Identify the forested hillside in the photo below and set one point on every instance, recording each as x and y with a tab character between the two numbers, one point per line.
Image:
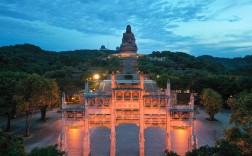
69	68
186	72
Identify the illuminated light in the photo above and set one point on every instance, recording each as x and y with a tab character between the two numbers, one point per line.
158	76
96	76
74	126
179	127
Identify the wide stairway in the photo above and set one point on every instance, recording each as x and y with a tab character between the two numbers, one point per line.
129	65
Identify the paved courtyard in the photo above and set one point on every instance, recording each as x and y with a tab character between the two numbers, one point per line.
46	133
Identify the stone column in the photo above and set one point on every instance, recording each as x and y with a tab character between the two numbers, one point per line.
192	116
168	117
141	80
86	138
113	142
112	128
113	80
141	126
168	130
62	142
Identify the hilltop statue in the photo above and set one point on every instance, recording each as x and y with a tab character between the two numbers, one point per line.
128	42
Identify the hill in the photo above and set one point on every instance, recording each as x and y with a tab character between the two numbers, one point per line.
70	68
186	72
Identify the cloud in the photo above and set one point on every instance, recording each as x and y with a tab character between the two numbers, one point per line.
197	27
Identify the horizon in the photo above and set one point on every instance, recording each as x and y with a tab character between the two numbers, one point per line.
118	51
216	28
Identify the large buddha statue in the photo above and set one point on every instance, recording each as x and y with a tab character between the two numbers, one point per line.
128	42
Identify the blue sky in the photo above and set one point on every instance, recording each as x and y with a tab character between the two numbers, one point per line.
221	28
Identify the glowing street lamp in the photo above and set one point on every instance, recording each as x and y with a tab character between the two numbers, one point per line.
96	76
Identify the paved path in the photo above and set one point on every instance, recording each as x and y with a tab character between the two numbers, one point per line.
46	133
43	133
208	132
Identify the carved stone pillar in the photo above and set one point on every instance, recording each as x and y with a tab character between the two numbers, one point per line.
168	131
141	126
192	117
86	138
112	128
168	117
112	143
62	142
141	142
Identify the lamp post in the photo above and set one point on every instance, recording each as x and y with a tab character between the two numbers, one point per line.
94	82
96	76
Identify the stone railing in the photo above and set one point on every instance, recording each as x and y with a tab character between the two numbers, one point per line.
74	106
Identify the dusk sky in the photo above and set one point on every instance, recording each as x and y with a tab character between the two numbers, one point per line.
221	28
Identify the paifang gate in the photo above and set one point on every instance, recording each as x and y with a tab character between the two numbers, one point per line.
127	99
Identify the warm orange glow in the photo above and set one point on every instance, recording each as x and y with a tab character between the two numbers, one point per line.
74	126
180	139
96	76
74	137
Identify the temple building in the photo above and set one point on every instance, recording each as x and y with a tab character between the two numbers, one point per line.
128	98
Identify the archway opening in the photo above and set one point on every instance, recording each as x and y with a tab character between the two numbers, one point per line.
154	141
180	139
74	137
127	139
99	140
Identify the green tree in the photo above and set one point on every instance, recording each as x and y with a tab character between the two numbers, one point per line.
212	102
223	148
240	138
31	88
8	90
170	153
49	96
11	145
241	106
51	150
241	134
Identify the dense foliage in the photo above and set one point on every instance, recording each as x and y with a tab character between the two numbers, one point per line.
241	134
223	148
225	75
212	102
69	68
241	106
51	150
11	145
8	90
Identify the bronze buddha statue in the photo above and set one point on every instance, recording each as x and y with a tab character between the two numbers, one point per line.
128	42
